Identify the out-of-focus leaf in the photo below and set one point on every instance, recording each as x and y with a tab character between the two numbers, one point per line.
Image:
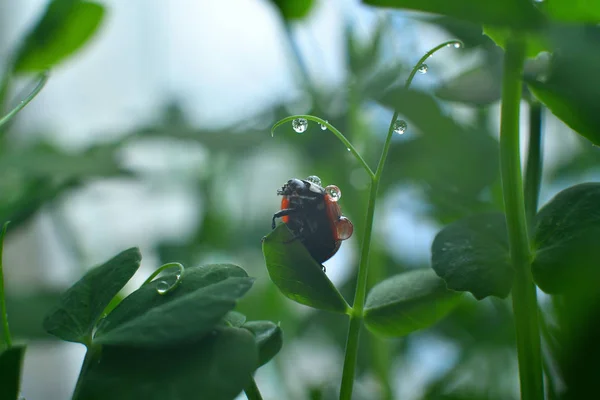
479	86
11	363
583	11
566	234
472	255
269	339
293	9
26	312
509	13
468	32
408	302
536	42
217	368
63	29
297	274
80	307
567	92
147	319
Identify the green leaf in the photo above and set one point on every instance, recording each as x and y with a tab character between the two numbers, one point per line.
269	339
217	368
479	86
293	9
234	318
82	305
536	42
472	255
408	302
11	363
297	274
566	239
63	29
584	11
509	13
148	319
567	91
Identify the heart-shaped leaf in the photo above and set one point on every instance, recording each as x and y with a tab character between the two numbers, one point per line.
567	239
407	302
82	305
297	274
63	29
218	368
11	363
472	255
186	314
269	339
510	13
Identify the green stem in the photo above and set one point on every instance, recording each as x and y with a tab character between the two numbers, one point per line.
3	311
359	300
26	100
523	291
363	268
335	131
533	170
252	392
91	355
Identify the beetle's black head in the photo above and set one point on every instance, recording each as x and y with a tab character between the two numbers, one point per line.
294	186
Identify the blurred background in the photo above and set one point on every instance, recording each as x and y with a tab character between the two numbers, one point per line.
157	134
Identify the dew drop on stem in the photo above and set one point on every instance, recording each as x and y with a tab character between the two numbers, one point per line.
300	125
423	68
400	126
162	287
323	127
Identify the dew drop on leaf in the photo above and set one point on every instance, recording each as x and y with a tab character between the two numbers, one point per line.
400	126
300	125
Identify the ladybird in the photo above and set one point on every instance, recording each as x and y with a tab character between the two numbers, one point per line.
314	216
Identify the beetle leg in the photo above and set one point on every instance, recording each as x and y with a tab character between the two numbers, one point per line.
282	213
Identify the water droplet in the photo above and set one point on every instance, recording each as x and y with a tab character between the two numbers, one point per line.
300	125
400	126
162	287
314	179
348	148
456	44
334	192
344	228
538	1
323	127
423	68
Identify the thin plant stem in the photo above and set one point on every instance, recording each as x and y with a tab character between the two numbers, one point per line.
251	391
7	337
92	354
356	316
26	100
524	299
533	169
335	131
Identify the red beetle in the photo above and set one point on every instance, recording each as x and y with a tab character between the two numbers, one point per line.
313	215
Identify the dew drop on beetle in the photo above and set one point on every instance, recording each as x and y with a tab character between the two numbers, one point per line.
334	192
344	228
162	287
300	125
423	68
314	179
400	126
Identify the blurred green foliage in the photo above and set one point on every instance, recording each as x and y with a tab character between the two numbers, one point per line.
453	165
